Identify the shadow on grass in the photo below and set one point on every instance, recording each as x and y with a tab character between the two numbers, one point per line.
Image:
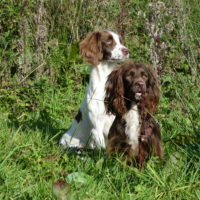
42	122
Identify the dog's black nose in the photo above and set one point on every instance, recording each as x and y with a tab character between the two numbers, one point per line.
140	84
125	51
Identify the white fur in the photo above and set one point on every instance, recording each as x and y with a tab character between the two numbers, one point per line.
92	130
132	128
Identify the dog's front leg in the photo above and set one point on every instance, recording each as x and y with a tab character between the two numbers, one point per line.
98	137
97	122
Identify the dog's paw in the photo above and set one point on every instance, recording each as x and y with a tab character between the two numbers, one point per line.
63	141
98	139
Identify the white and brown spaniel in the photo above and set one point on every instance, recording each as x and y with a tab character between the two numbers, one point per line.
103	50
132	94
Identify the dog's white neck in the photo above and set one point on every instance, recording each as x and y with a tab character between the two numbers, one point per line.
98	78
101	71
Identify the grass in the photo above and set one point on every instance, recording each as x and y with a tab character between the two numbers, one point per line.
31	163
31	159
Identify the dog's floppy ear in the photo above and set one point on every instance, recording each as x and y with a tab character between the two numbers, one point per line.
114	98
153	90
91	48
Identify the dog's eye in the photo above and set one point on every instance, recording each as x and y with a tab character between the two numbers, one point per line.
109	42
144	74
130	75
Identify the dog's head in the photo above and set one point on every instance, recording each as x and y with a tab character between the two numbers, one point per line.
103	46
131	83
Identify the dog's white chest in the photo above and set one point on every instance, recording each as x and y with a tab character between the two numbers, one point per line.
132	128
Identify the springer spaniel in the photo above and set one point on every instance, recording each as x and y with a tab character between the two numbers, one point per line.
132	94
103	50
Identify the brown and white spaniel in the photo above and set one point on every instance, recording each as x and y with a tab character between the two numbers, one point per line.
102	50
132	94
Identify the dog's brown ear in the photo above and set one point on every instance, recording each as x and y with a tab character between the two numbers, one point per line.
114	98
91	48
156	140
153	90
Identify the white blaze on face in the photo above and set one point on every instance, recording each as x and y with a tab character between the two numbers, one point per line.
117	53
